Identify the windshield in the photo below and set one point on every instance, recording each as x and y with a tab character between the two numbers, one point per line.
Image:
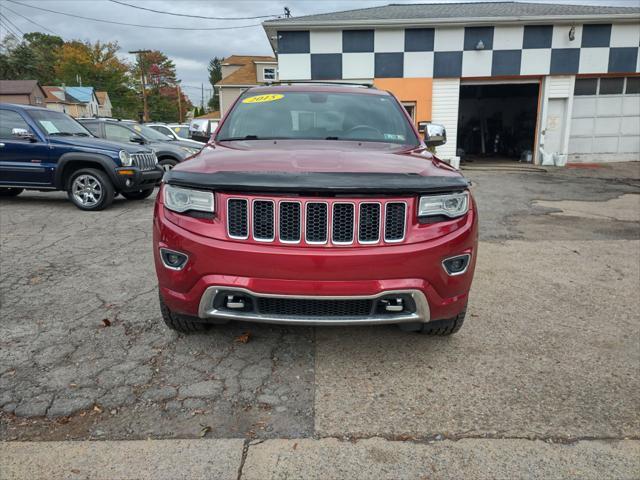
318	116
149	133
58	123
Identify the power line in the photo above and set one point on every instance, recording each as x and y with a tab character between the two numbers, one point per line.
190	16
32	21
6	25
8	20
130	24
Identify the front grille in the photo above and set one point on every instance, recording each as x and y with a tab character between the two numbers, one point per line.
144	161
299	307
335	222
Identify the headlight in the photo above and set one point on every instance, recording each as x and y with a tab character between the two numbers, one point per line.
125	158
451	205
184	199
190	150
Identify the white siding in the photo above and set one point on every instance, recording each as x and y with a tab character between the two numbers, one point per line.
555	87
446	99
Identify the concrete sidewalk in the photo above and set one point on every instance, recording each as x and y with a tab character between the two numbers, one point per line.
328	458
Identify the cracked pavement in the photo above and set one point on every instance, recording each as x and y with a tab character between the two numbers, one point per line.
546	366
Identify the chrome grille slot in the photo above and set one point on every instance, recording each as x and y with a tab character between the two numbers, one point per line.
289	219
144	161
369	223
263	220
394	221
316	223
342	223
238	218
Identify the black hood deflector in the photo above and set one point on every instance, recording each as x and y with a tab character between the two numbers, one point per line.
317	182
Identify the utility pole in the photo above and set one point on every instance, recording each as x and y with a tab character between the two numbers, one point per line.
202	96
145	107
179	103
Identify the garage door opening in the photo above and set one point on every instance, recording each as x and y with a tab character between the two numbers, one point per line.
497	122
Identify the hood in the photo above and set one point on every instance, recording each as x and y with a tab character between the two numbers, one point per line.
186	143
316	156
320	167
94	143
167	147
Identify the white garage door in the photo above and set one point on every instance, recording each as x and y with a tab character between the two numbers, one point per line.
605	121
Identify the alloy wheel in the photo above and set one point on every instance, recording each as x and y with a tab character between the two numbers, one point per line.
87	190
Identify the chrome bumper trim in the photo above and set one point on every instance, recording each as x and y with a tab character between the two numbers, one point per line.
206	309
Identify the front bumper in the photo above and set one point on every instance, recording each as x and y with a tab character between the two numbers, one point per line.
130	179
314	273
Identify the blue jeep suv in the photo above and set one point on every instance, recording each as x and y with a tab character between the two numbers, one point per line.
41	149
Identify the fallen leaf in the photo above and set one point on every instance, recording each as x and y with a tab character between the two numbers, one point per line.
35	280
96	408
204	430
244	338
106	322
295	445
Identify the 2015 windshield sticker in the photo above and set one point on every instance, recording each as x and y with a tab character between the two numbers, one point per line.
272	97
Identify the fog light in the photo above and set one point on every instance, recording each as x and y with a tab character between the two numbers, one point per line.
235	302
393	304
173	260
456	265
128	183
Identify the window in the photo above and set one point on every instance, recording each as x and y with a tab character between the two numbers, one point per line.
410	107
10	120
611	86
117	133
318	116
586	86
58	123
93	127
38	100
633	85
269	73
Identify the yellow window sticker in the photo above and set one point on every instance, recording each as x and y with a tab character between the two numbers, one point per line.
137	128
272	97
176	129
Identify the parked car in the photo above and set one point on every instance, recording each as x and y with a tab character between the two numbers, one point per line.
41	149
169	152
201	129
176	131
318	205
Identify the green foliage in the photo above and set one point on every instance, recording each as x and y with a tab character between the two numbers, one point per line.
215	75
31	58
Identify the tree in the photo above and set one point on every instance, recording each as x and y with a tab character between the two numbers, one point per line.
215	75
31	58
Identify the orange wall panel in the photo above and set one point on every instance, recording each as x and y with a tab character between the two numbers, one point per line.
417	90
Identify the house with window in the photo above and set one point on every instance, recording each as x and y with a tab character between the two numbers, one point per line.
23	92
104	104
548	83
75	101
240	72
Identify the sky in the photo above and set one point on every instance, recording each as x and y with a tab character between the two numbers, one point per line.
189	50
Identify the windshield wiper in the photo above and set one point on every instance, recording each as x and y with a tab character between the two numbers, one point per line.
81	134
246	137
62	134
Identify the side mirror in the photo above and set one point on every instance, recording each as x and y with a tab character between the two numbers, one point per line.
434	134
137	139
22	134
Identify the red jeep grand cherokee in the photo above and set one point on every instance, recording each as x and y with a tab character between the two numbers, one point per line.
316	205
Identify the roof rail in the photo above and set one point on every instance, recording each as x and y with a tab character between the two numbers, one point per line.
326	83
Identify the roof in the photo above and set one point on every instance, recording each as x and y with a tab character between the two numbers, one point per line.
247	73
102	97
58	95
441	12
211	115
18	87
82	94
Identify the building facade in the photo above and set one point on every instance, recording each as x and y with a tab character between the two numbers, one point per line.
23	92
540	82
240	72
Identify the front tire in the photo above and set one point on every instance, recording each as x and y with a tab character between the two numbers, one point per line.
441	328
90	189
10	192
139	195
180	323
